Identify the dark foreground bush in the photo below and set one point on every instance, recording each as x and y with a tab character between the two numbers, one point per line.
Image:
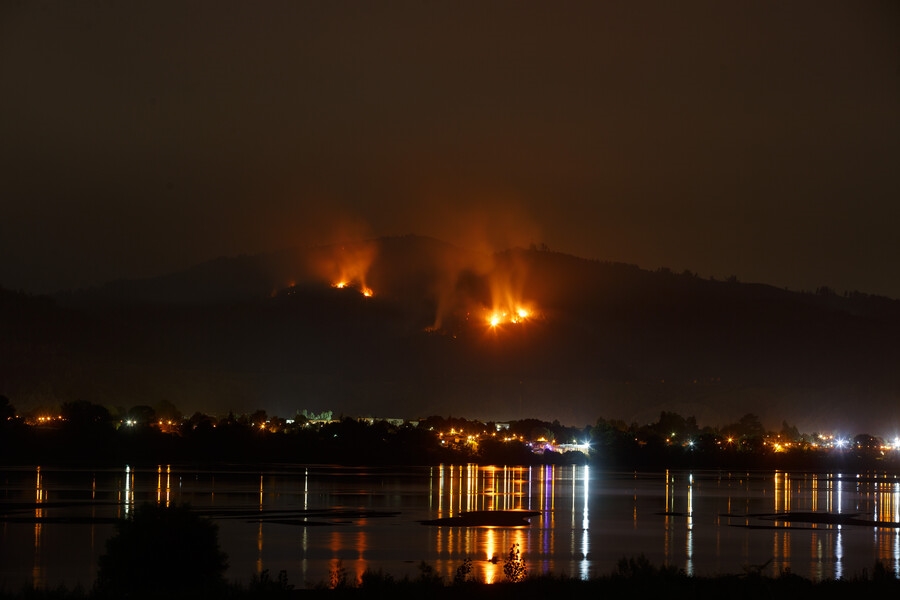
162	550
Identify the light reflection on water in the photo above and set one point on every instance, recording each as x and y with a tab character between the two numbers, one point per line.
311	521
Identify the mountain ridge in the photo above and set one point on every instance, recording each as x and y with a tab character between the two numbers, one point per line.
601	340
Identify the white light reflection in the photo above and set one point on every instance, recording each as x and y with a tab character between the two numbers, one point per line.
895	503
304	538
572	552
548	511
817	554
895	562
896	519
128	502
585	524
574	493
689	539
669	508
838	554
839	488
471	486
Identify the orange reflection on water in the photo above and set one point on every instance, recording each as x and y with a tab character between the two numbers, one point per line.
782	549
37	571
489	482
259	548
816	552
360	546
497	543
457	489
474	487
168	486
341	543
888	511
782	492
814	496
336	544
887	499
835	492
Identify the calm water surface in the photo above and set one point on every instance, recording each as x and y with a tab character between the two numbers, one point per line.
309	521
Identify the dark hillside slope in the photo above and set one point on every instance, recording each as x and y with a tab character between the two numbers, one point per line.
604	339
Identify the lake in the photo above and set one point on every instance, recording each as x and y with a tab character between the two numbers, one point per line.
312	520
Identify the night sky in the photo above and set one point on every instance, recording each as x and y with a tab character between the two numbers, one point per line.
756	139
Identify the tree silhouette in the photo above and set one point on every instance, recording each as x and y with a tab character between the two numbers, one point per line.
514	568
81	414
162	550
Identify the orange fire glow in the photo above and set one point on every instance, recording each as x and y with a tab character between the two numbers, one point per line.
507	286
516	316
346	265
364	290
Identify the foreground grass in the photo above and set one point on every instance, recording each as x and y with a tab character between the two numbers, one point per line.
634	577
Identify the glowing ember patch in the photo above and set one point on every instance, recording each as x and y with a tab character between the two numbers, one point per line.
494	320
367	292
340	285
523	314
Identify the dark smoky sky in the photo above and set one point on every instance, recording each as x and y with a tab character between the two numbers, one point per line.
760	139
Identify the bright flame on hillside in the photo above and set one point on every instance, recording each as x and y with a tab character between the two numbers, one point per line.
499	317
364	290
507	287
346	265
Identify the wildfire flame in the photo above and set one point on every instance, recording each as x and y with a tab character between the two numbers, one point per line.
499	317
363	289
346	266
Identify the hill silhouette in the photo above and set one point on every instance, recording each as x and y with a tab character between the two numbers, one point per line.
599	339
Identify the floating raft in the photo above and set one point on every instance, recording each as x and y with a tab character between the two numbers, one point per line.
488	518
